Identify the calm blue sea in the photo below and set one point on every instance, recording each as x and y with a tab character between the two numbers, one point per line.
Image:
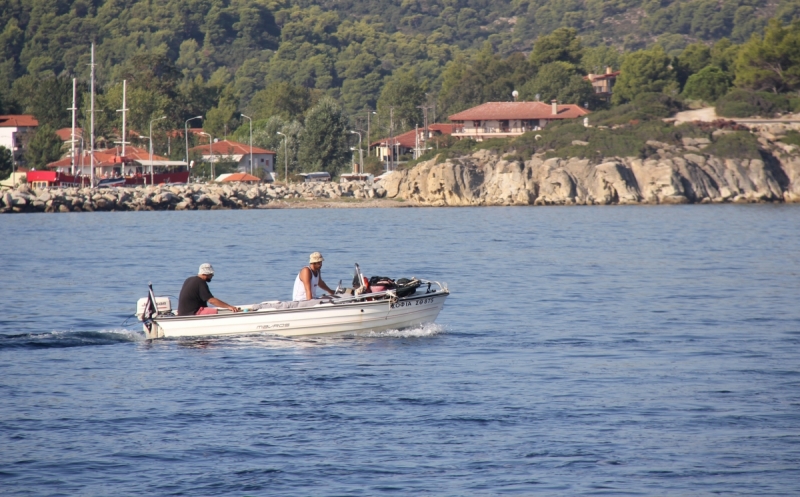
583	351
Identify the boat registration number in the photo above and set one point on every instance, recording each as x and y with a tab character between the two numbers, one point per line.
412	302
272	326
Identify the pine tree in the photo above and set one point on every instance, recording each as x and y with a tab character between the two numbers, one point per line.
6	163
644	71
44	147
771	63
323	144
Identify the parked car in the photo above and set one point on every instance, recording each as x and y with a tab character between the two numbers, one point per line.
321	177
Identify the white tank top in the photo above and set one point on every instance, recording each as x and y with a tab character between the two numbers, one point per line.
300	289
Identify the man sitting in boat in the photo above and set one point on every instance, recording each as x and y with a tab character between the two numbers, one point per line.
195	295
309	279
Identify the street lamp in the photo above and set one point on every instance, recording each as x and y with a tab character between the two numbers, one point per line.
210	153
369	113
186	135
360	152
251	143
151	145
285	157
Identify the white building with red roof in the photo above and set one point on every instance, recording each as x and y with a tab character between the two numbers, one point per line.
410	141
15	133
506	119
227	150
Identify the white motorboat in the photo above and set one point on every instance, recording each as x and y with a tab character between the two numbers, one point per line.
343	313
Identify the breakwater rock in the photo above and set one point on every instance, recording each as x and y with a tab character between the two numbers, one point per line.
178	197
676	176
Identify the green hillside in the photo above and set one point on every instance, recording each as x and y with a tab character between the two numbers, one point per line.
277	59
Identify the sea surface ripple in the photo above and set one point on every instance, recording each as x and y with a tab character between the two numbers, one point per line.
583	351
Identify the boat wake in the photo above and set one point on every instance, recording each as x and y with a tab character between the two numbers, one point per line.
273	341
421	331
63	339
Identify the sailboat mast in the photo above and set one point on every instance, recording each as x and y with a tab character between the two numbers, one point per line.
91	138
73	109
124	110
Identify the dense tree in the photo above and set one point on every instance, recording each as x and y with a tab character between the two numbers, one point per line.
596	59
562	45
644	71
51	101
485	78
44	147
401	97
6	163
184	59
282	99
723	55
323	144
559	81
221	120
693	59
708	84
773	62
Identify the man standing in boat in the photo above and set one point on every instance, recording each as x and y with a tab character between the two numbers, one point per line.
309	279
195	295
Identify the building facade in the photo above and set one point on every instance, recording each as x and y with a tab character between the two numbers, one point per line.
15	133
227	150
507	119
603	84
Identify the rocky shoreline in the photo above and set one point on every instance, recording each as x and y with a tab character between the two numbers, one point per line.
184	197
478	181
675	175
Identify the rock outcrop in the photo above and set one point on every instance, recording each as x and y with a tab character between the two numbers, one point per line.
677	176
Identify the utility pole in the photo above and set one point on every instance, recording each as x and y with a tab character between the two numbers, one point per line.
391	137
369	113
425	113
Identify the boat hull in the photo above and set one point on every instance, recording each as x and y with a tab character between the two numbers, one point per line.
325	319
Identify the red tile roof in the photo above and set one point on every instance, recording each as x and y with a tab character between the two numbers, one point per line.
18	121
241	177
109	157
66	134
445	129
408	139
598	77
518	110
135	153
228	147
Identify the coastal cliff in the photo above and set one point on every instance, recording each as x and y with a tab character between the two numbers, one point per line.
677	175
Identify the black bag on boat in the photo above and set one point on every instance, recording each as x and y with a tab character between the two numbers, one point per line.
406	287
381	280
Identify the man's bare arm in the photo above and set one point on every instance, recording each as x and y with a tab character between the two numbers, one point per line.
218	303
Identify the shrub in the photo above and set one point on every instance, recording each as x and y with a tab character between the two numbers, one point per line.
736	145
708	85
792	138
625	141
744	103
645	107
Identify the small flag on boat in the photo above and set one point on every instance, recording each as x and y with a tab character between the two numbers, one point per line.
150	308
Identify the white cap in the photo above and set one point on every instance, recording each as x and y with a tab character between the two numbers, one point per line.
315	257
205	269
